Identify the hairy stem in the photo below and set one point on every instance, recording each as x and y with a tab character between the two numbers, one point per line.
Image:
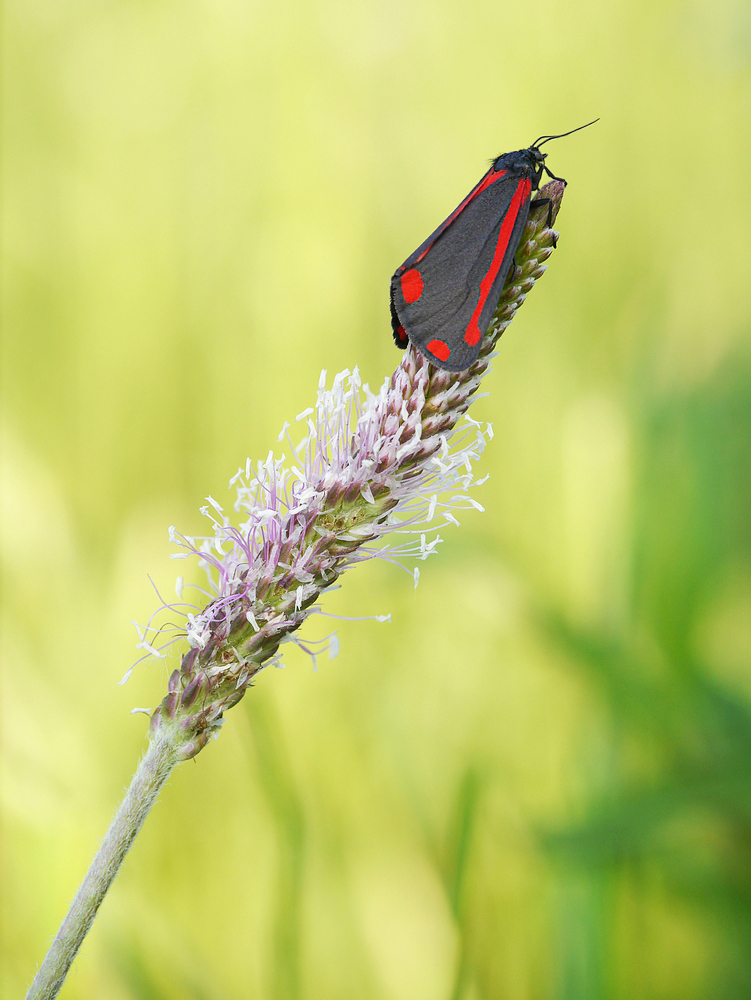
157	763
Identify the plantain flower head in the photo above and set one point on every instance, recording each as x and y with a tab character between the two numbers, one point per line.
373	474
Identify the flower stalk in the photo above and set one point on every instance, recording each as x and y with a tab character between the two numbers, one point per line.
369	467
152	772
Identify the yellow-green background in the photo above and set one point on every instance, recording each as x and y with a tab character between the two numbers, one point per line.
535	783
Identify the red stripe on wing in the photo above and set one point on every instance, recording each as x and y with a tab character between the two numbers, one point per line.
473	333
490	178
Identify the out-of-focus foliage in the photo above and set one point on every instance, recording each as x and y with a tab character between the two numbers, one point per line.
535	783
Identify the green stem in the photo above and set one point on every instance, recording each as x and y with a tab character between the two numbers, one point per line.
154	769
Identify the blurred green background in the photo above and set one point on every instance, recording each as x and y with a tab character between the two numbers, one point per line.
544	794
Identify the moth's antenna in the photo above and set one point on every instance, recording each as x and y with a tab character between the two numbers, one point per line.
546	138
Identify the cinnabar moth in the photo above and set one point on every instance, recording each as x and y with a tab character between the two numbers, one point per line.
444	295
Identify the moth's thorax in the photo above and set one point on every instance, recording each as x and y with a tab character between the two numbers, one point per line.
521	162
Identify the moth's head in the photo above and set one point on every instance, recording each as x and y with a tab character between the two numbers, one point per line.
536	156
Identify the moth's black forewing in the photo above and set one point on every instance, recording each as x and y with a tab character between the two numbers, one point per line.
454	261
453	273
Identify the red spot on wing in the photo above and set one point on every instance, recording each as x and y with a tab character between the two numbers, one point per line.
473	333
401	334
412	285
440	349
